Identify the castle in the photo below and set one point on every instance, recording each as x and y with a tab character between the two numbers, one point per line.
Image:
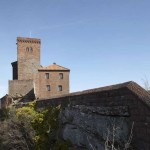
29	77
124	107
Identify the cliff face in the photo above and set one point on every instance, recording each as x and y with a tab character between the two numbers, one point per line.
92	127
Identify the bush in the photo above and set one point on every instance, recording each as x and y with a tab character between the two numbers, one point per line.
43	125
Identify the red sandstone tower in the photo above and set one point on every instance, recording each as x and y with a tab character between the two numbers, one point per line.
28	50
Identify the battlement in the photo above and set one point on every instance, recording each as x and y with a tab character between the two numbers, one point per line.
28	40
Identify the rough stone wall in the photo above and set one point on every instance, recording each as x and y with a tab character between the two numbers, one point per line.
28	57
86	127
140	113
54	81
20	87
89	127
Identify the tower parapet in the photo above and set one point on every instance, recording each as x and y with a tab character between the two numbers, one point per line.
28	40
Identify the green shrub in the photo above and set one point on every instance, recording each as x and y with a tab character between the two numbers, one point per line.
45	125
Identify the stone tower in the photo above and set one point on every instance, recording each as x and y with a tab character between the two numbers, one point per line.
28	57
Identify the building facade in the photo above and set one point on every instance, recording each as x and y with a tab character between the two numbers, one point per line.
29	75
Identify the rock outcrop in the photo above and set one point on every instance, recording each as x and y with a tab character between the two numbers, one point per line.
91	127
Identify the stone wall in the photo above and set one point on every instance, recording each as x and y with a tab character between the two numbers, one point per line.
20	87
88	117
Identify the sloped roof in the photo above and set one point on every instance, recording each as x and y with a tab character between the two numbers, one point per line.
137	90
53	67
132	86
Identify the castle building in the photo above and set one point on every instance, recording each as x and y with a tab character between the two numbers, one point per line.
29	77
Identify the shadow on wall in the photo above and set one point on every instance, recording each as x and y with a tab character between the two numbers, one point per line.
30	96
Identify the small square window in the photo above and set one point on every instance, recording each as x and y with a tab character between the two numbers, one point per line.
60	88
48	87
47	75
61	76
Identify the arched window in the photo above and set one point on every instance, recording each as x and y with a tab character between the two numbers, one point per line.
27	49
31	49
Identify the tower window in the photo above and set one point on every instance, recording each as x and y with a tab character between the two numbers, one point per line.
60	88
31	49
27	49
47	75
61	76
48	87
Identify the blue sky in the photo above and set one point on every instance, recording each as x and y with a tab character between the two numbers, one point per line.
103	42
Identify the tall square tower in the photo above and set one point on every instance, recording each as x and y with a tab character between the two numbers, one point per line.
28	57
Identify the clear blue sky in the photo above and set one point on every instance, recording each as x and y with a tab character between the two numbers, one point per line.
103	42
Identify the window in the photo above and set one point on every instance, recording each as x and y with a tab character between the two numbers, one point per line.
61	76
27	49
47	75
31	49
48	87
60	88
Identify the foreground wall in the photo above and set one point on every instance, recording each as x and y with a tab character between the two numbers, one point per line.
91	118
